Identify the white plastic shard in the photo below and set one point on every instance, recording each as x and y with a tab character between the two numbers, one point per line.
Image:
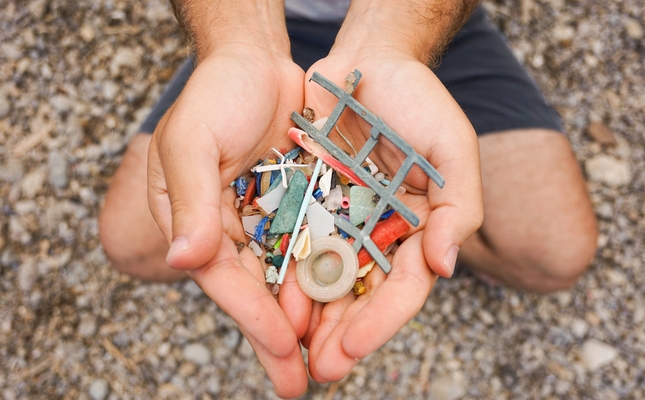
302	248
271	274
321	222
335	198
325	182
318	124
270	201
257	250
362	271
249	222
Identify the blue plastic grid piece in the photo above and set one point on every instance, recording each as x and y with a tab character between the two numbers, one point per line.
386	193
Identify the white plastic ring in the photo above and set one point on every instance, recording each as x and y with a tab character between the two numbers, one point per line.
329	272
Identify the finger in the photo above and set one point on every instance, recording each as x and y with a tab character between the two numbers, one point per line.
238	293
394	302
287	373
294	302
456	210
327	360
314	322
190	168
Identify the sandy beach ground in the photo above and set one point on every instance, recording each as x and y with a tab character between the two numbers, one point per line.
76	80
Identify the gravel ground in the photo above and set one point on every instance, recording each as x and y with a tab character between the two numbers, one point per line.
75	82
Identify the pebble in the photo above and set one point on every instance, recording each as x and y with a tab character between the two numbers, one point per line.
197	353
27	275
32	183
57	169
579	328
87	326
596	354
5	105
446	388
633	28
112	144
609	170
124	57
205	324
99	389
87	32
601	133
232	338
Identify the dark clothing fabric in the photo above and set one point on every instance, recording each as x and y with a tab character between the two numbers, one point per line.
478	69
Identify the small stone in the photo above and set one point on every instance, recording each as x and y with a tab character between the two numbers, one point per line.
486	317
633	28
285	217
608	170
27	274
205	324
197	353
446	388
12	170
87	326
579	328
10	50
231	339
596	354
110	90
124	57
99	389
87	32
61	103
37	8
57	169
164	349
5	105
601	133
192	289
32	184
112	144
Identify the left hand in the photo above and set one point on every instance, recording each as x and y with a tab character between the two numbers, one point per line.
411	100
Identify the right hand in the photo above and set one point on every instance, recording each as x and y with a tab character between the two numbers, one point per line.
235	106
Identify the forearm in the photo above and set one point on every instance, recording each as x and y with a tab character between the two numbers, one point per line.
419	28
211	24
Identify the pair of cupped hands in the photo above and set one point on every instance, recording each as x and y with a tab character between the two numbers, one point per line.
234	108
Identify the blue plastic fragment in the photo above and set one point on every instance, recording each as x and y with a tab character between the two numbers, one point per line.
241	186
317	194
387	214
259	229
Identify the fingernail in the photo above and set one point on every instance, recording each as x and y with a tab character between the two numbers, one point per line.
451	259
179	244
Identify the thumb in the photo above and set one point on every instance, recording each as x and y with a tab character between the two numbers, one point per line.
185	194
456	214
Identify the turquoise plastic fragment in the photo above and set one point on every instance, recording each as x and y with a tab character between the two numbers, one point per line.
361	204
287	214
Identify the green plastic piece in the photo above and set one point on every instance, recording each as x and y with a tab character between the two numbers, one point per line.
361	204
287	214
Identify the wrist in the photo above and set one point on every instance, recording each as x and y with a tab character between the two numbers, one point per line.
211	26
418	29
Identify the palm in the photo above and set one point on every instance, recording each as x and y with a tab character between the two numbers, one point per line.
231	111
409	98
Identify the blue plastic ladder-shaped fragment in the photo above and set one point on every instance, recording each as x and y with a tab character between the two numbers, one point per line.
385	193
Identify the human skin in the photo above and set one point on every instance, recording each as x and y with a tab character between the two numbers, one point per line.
236	105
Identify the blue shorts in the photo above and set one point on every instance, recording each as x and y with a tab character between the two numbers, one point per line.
478	69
